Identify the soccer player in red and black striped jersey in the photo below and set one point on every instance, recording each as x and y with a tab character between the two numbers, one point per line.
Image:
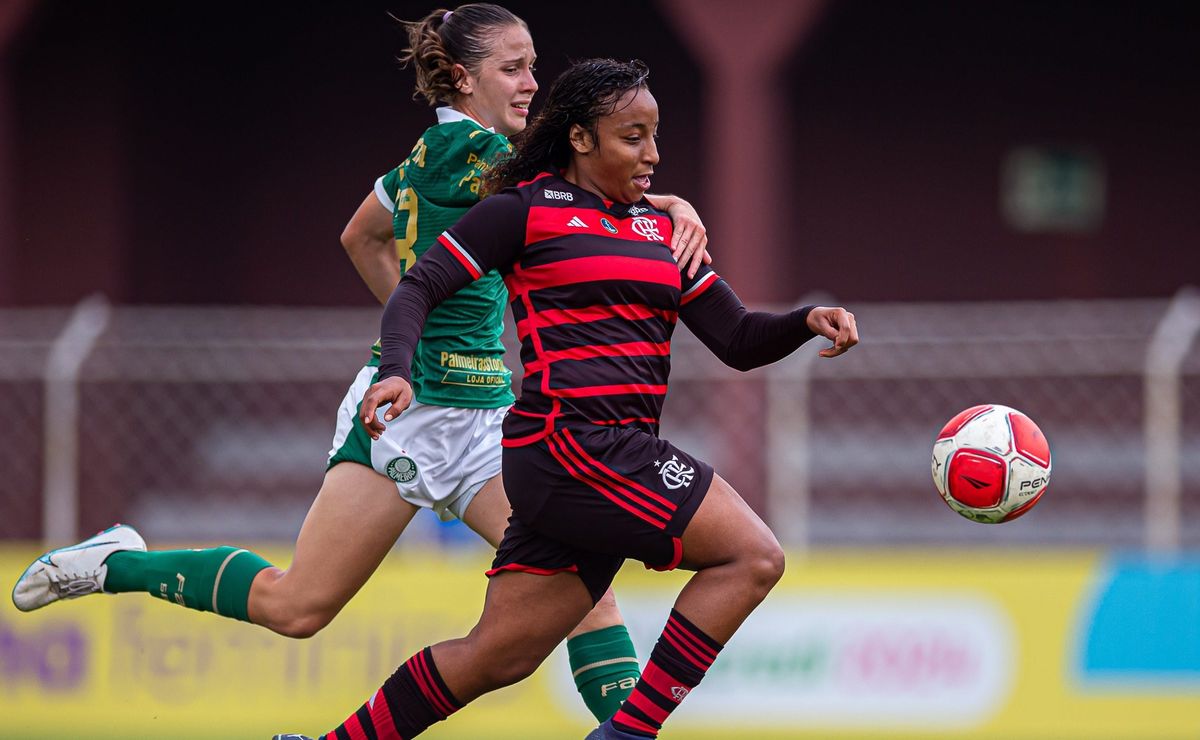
595	294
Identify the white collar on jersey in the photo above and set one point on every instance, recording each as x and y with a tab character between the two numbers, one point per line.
446	114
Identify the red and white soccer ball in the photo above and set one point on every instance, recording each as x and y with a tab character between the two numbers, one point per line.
991	463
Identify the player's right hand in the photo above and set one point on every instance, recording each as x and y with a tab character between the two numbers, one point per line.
395	391
836	324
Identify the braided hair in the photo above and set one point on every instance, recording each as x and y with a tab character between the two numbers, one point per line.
585	93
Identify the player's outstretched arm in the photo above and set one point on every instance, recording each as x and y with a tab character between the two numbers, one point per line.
745	340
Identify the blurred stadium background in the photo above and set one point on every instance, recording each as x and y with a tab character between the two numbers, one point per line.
1003	192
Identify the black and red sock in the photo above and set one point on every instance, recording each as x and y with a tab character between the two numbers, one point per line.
678	662
411	700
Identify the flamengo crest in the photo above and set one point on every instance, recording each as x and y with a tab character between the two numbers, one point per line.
647	227
675	474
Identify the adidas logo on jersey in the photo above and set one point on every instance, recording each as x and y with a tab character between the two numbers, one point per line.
577	222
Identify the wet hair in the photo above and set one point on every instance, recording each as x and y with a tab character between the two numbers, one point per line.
445	38
585	93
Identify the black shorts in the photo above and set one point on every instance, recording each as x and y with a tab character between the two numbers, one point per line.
587	497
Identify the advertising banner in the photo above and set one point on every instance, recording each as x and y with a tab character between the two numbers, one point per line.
955	644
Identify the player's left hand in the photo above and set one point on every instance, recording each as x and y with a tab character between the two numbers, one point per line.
689	238
836	324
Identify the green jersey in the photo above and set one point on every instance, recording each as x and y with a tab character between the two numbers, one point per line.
460	358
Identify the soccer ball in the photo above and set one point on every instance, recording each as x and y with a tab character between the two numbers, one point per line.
991	463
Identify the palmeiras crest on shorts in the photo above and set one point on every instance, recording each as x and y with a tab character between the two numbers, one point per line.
401	469
675	474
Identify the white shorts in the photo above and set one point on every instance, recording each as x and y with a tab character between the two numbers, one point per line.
438	456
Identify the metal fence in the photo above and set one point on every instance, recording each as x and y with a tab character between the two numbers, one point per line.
206	424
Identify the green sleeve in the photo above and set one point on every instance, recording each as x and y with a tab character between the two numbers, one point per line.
386	188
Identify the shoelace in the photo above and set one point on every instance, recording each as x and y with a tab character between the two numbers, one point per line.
76	584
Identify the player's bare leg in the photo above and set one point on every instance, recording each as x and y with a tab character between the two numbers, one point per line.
603	660
502	648
738	561
329	566
233	582
524	617
487	515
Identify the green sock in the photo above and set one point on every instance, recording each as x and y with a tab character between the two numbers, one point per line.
215	580
605	668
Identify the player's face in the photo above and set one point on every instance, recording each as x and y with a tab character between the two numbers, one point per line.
625	151
498	94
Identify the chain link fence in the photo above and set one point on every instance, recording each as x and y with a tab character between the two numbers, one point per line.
207	424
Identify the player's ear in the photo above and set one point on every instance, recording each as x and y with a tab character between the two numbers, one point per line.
581	139
462	79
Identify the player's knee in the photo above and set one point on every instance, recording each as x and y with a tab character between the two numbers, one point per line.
302	624
300	618
502	662
288	609
764	566
514	668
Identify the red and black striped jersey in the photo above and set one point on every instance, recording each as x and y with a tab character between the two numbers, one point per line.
595	294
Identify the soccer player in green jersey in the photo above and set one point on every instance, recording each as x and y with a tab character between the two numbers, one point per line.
443	454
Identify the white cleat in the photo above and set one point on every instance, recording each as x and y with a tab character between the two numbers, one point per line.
71	572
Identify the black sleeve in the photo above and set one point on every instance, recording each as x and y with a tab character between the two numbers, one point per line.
741	339
490	236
